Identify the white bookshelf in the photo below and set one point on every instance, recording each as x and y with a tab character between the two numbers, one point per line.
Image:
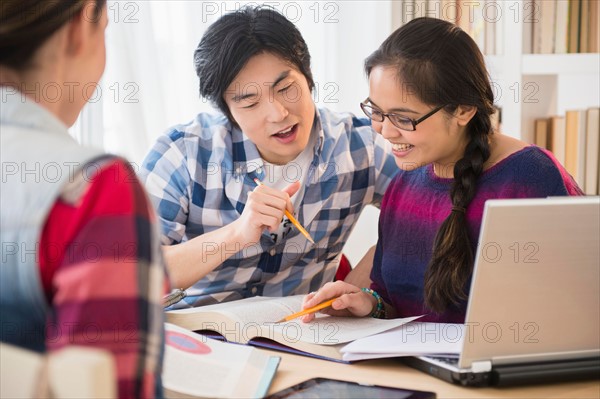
561	64
532	86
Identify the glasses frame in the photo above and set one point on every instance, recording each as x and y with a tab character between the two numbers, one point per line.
414	122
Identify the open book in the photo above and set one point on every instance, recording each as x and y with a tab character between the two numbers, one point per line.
253	321
196	366
414	339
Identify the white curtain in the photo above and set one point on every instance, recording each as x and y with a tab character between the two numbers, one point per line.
150	82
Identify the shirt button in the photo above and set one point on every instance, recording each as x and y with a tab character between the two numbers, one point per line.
273	252
254	290
259	170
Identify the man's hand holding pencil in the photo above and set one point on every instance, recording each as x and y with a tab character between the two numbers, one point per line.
288	210
265	209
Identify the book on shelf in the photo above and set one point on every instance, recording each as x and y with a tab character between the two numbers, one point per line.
544	27
575	145
584	28
253	321
449	10
490	26
592	161
199	367
499	34
594	34
434	9
527	28
477	22
548	27
574	25
541	133
420	8
413	339
557	136
496	119
575	142
562	27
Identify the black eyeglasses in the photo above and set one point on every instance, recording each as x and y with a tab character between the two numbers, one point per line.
400	122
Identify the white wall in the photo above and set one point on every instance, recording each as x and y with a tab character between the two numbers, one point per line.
364	235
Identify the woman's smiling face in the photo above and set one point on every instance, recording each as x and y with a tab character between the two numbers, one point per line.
439	139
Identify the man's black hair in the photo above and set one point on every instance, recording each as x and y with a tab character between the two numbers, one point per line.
236	37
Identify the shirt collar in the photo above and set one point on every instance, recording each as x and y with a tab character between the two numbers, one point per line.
19	110
318	130
246	158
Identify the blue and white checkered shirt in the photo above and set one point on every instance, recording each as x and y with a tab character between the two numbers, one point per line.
198	176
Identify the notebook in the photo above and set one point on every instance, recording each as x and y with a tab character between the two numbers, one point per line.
533	314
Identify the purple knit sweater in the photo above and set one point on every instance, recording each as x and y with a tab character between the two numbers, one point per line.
417	202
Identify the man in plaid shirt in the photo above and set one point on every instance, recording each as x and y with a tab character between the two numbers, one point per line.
226	237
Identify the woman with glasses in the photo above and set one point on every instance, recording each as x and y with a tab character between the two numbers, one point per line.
430	97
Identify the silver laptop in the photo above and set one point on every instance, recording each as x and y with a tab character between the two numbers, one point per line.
534	307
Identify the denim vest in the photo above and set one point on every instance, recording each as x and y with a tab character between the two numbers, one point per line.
38	159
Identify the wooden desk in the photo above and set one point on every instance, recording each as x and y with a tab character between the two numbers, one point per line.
294	369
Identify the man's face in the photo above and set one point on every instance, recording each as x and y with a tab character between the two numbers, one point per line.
271	102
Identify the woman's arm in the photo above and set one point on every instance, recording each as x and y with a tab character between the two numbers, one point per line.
360	275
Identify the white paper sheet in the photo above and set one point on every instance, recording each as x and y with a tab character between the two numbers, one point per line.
412	339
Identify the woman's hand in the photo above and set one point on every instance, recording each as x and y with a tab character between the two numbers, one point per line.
351	301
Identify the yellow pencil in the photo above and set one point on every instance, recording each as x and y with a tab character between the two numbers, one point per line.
314	309
292	219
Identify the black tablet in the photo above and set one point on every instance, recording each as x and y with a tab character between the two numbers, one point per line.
326	388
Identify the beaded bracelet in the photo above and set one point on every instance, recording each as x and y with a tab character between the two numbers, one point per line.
379	311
